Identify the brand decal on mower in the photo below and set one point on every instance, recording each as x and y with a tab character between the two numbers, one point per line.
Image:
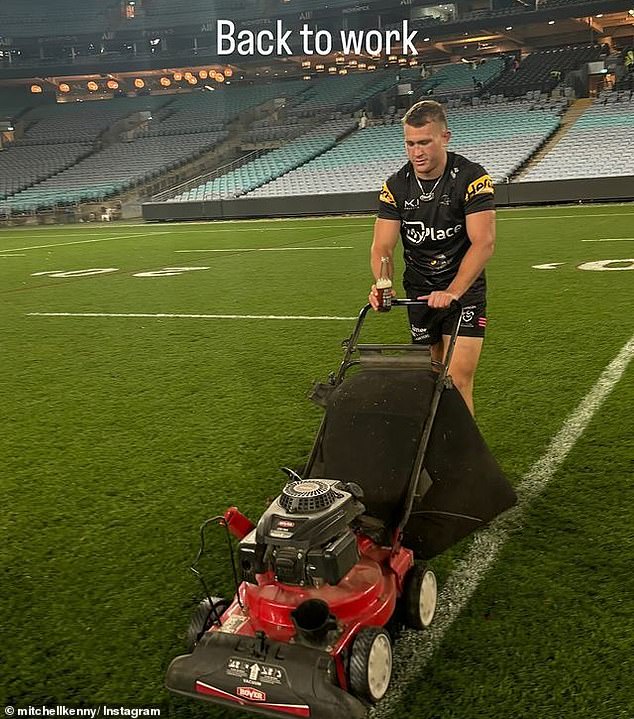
233	624
252	694
256	673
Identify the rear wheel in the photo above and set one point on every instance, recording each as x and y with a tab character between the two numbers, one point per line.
204	617
371	664
420	596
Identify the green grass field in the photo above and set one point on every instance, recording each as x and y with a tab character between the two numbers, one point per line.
121	434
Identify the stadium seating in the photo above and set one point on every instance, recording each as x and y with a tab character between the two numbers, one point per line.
21	167
271	165
210	111
112	170
501	137
80	121
534	72
597	145
458	78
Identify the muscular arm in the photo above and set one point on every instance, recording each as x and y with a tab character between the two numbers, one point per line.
386	234
481	232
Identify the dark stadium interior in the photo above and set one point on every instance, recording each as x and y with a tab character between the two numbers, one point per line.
109	106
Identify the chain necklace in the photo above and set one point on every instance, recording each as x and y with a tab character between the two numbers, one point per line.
427	196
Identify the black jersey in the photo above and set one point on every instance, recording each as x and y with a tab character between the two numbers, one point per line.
434	231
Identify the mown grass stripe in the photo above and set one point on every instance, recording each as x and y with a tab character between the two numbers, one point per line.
415	648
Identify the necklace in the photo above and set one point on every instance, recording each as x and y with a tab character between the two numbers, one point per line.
427	196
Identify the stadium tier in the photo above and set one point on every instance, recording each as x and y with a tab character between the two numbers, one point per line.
209	111
21	167
544	70
599	144
81	122
271	165
460	78
501	137
114	169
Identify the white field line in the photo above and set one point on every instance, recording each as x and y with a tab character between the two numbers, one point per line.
562	217
415	649
12	255
182	316
611	239
82	242
270	249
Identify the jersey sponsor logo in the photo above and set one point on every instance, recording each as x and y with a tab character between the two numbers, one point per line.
412	204
386	196
417	232
482	186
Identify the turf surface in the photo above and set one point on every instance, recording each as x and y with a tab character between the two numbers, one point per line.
121	435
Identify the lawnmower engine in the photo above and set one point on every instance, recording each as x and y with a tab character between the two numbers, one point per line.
306	535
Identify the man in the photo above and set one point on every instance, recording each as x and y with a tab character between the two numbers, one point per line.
441	205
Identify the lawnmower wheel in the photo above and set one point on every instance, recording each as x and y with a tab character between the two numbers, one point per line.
205	616
419	597
371	664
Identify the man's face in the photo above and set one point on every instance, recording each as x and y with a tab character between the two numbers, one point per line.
426	147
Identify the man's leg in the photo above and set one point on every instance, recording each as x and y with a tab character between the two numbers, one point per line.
464	363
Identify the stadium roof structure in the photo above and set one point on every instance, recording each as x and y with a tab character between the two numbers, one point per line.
174	33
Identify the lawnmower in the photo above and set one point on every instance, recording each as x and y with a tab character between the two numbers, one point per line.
398	472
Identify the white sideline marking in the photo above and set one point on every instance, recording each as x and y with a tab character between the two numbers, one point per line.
269	249
197	317
415	648
12	255
611	239
82	242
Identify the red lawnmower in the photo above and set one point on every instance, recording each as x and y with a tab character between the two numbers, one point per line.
325	573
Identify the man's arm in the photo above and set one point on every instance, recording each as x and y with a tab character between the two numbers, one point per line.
386	234
481	231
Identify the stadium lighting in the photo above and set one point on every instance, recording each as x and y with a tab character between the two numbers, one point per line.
64	87
426	39
551	22
228	72
363	66
306	77
343	71
139	83
203	74
178	76
319	68
165	81
599	15
306	63
510	27
219	77
36	89
112	85
332	70
92	86
192	80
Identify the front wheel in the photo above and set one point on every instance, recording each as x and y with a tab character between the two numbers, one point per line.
371	664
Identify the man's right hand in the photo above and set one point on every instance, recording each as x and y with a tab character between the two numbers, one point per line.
373	297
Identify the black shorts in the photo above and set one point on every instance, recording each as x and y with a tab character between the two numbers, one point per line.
428	325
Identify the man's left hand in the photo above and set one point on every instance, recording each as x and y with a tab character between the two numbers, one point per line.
440	299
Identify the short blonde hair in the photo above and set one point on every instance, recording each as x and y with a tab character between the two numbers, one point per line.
425	111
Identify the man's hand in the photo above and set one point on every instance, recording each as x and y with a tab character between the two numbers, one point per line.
440	299
373	297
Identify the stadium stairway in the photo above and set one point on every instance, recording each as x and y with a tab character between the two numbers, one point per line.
568	119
